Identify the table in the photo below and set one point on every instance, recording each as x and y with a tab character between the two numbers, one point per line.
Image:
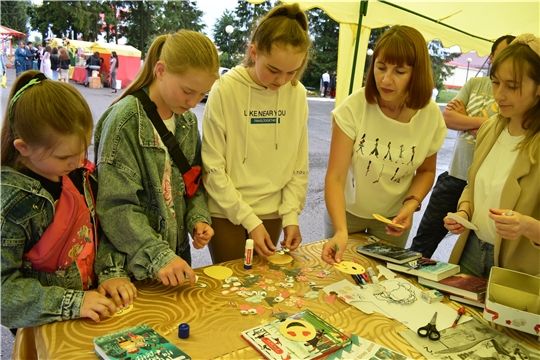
216	325
79	74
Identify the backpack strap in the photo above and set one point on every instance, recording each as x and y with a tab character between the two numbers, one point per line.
168	137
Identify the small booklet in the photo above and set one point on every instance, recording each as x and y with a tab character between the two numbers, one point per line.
303	335
137	342
361	348
389	253
460	284
435	272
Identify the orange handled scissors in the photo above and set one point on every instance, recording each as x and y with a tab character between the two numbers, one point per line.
430	331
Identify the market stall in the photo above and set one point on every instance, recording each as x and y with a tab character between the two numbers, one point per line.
129	59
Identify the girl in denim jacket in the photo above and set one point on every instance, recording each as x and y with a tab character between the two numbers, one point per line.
141	200
43	144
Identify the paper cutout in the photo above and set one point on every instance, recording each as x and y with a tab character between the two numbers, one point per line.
348	267
386	272
218	272
280	259
123	311
297	330
461	221
387	221
330	298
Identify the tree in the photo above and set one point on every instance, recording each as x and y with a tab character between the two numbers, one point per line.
247	15
14	15
223	40
439	57
178	15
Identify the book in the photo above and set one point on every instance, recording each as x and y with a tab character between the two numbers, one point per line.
472	302
137	342
460	284
302	335
361	348
388	253
435	272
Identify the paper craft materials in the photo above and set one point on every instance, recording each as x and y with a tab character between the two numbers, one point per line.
436	272
361	348
431	296
280	259
462	221
388	252
248	255
387	221
460	312
349	267
123	311
183	331
372	275
218	272
385	272
430	330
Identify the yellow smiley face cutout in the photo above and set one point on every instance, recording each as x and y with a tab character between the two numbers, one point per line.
297	330
348	267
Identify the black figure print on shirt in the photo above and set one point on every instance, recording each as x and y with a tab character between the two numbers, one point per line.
380	174
412	156
368	165
395	173
361	144
388	153
400	157
375	150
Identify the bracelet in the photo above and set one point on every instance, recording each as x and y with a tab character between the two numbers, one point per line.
412	197
468	216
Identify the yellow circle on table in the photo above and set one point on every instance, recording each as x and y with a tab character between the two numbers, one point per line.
280	259
297	330
218	272
350	267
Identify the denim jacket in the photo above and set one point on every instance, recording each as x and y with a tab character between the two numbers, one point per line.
31	297
130	201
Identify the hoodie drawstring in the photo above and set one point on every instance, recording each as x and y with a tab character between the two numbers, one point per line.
277	120
247	126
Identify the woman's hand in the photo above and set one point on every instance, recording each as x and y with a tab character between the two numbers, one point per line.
404	218
512	225
453	226
333	249
262	242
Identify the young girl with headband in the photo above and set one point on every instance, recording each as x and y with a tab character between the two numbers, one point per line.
43	174
143	202
502	197
255	140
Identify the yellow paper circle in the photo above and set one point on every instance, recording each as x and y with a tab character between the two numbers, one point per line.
280	259
350	267
218	272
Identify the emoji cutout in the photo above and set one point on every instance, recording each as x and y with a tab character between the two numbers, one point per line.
280	259
124	311
387	221
297	330
218	272
348	267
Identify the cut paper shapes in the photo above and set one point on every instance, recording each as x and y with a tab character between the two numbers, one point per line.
348	267
387	221
297	330
462	221
123	311
218	272
280	259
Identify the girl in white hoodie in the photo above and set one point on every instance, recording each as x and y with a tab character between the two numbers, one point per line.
255	144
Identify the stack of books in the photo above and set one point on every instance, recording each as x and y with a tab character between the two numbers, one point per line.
463	288
436	271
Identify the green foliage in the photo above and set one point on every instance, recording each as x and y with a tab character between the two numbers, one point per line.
14	16
223	40
440	56
445	96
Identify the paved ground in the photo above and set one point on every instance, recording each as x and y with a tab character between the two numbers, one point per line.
311	221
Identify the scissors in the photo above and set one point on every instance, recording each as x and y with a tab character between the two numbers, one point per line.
430	331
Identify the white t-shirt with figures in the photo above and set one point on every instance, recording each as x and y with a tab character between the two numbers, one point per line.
386	153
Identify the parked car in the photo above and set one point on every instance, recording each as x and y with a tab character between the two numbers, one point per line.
221	71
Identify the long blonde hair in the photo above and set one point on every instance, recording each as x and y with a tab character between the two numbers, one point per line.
283	25
181	52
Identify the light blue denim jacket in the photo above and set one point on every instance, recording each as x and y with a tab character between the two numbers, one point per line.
130	202
32	297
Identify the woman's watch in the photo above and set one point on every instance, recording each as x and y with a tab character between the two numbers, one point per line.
412	197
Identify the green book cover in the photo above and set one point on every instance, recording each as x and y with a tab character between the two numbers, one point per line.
139	342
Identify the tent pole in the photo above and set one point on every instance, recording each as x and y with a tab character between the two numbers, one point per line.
361	13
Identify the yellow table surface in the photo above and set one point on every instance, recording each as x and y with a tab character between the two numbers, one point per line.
215	325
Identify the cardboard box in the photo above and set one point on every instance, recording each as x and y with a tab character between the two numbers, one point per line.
513	300
94	82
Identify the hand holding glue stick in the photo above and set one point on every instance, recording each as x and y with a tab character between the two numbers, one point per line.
248	255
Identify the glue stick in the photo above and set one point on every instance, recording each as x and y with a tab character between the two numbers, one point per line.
248	255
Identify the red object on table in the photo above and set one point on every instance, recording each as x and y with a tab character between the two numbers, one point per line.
79	74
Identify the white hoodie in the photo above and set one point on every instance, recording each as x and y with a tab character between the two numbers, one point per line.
255	150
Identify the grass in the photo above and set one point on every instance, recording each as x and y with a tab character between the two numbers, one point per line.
445	96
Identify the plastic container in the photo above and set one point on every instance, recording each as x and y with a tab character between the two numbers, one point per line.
118	84
95	73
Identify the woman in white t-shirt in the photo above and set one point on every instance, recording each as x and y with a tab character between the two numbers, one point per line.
502	198
385	139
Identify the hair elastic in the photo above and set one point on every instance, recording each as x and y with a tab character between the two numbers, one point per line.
291	16
36	79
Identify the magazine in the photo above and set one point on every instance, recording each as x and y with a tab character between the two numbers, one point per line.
303	335
388	253
361	348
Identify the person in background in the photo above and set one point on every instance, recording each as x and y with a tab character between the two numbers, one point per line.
394	110
333	84
255	159
46	62
92	64
502	197
31	53
465	113
20	59
43	150
3	69
325	79
39	55
55	63
115	63
64	65
142	200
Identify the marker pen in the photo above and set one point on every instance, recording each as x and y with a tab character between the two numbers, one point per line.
372	275
248	255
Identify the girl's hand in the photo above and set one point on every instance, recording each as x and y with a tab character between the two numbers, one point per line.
509	224
96	306
333	249
202	234
453	226
119	289
262	241
173	273
292	237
